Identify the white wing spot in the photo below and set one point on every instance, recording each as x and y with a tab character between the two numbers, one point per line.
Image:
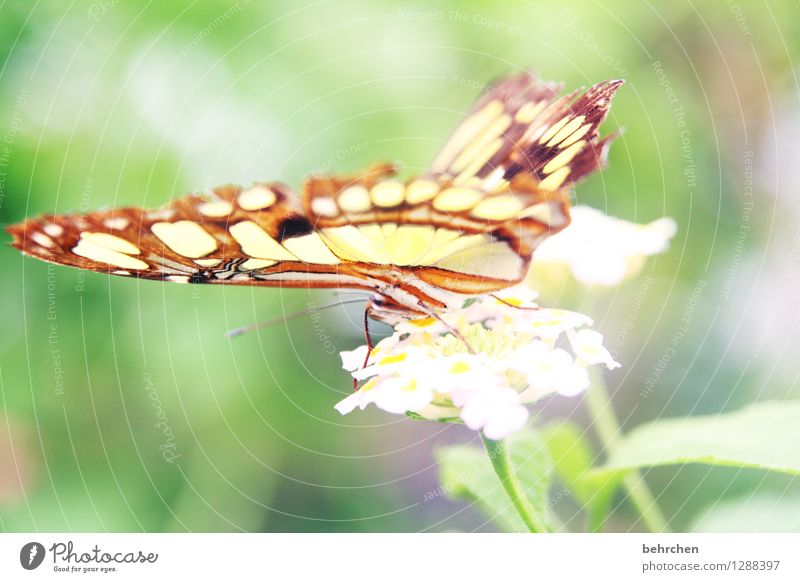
456	199
178	278
117	223
354	199
501	207
42	239
256	198
53	230
421	191
388	193
216	209
324	206
208	262
160	214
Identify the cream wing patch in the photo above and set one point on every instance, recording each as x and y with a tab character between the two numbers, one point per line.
311	249
252	264
351	244
215	209
108	249
255	242
525	126
185	237
468	130
256	198
110	242
409	243
421	191
503	207
494	259
388	193
446	245
354	199
456	199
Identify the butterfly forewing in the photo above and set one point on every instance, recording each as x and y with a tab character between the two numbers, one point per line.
230	235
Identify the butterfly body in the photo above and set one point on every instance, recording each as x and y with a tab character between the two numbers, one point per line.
466	228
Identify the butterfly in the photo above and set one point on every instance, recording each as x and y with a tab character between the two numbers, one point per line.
466	227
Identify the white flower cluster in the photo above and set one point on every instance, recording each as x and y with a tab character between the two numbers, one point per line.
603	250
480	364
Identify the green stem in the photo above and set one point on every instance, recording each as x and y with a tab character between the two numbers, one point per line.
501	462
608	429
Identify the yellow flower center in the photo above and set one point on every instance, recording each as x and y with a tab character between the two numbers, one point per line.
459	368
410	387
424	322
392	359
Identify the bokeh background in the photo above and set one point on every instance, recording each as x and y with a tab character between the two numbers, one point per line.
124	407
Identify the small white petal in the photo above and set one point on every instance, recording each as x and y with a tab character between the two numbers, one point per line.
353	360
511	359
399	395
496	411
500	426
603	250
347	405
588	347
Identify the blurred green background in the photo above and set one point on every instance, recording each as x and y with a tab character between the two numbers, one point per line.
124	408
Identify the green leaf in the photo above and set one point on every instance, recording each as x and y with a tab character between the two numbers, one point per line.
765	512
573	458
466	473
762	436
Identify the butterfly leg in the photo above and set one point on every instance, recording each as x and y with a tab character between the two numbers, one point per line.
449	327
368	339
501	300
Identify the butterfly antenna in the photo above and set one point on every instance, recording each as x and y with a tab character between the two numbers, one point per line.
286	318
364	294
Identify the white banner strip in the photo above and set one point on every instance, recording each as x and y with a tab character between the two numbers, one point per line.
408	557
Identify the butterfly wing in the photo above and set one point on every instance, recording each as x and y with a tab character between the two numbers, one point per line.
258	235
499	186
522	126
433	236
417	242
496	190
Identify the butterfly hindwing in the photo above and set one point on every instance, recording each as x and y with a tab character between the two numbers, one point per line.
422	224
